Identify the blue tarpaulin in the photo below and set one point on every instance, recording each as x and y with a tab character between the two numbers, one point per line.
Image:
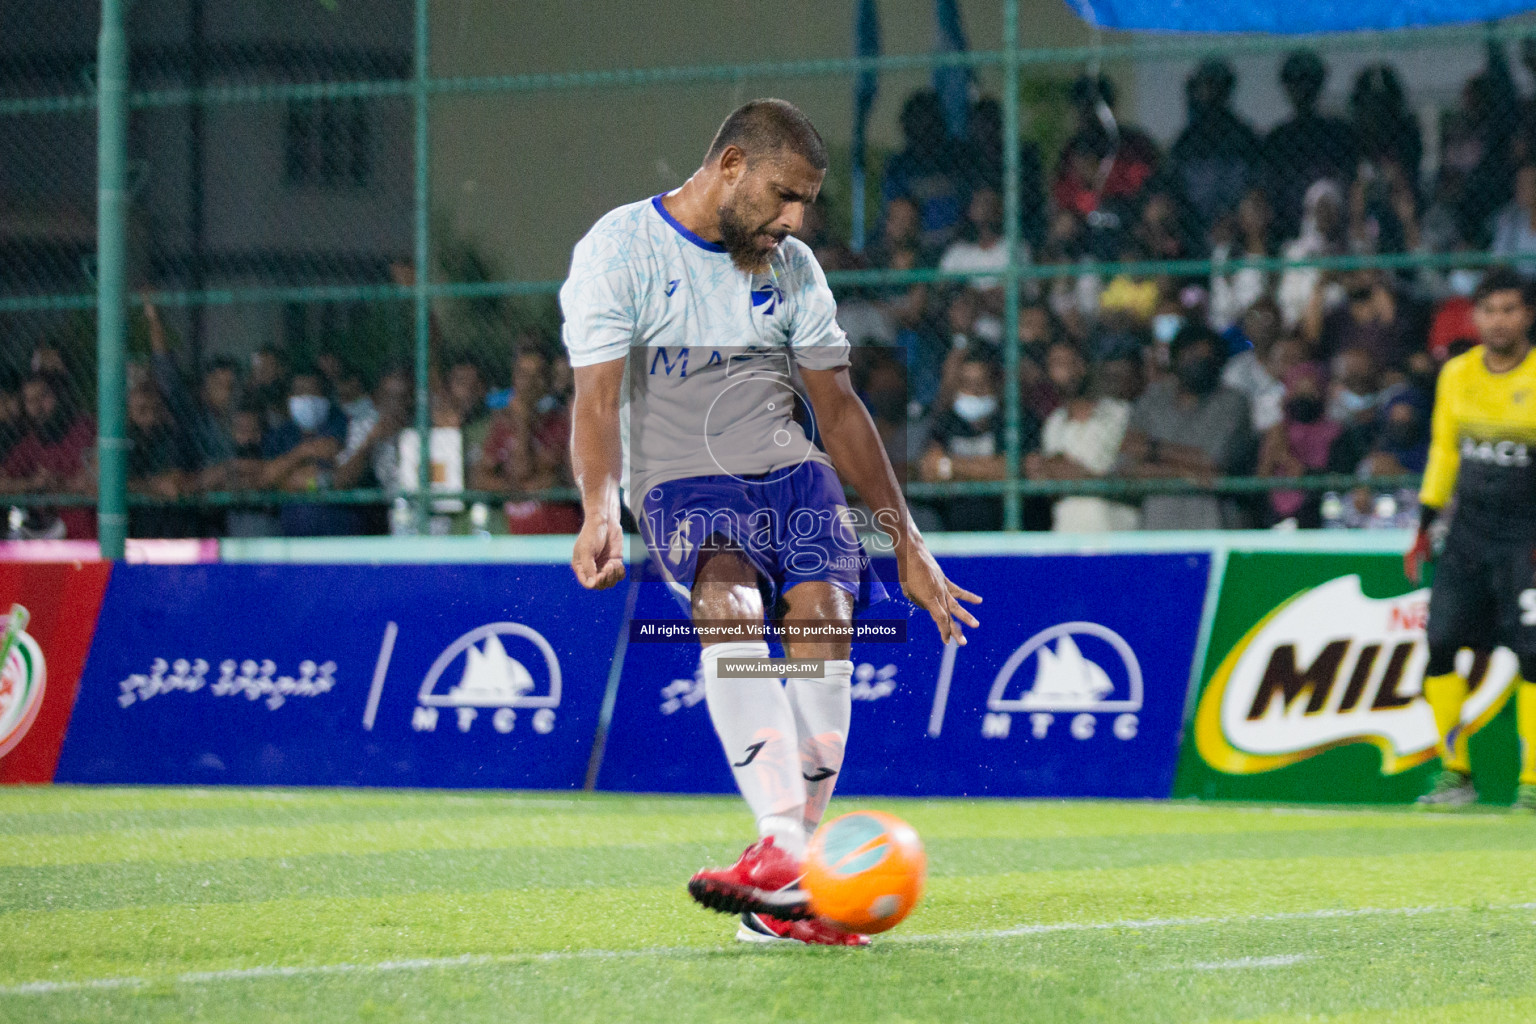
1295	17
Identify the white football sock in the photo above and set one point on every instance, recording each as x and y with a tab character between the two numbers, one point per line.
823	708
756	727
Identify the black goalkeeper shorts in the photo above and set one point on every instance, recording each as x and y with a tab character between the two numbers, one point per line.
1484	596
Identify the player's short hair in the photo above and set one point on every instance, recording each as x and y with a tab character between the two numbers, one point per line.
763	127
1500	278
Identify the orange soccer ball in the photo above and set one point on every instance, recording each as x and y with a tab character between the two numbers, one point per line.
865	871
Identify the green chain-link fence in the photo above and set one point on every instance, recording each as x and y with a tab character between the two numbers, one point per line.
344	224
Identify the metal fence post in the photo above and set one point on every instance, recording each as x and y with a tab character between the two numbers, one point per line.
1012	513
111	308
422	260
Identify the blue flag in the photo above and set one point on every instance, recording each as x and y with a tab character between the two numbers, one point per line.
1295	17
866	43
953	84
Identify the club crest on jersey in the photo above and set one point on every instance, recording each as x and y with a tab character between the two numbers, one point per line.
23	675
767	297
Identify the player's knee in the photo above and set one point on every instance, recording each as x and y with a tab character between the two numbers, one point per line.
1442	659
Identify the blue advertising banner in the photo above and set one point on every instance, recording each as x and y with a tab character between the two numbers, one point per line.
1290	18
1074	686
458	676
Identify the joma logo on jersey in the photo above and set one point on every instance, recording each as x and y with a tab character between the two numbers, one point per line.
1067	680
23	676
1329	667
492	679
1495	453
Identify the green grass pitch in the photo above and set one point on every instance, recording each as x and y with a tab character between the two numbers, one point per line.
324	905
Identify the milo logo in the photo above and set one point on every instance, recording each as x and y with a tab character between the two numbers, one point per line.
1331	667
22	677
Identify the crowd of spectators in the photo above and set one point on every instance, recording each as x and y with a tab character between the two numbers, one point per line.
1129	376
1239	371
268	428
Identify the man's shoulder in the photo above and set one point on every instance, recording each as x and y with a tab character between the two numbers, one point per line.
798	262
619	228
1457	368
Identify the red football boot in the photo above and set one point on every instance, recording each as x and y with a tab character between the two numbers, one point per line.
812	932
760	883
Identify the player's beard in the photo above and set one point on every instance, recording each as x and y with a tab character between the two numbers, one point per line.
742	241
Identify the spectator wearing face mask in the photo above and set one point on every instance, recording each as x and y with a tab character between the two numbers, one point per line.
1080	440
301	456
1188	426
1356	393
1302	443
965	442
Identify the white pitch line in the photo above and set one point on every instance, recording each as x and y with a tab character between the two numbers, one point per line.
1246	962
491	960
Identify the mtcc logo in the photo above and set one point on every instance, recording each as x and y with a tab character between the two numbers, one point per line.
23	675
490	678
1081	669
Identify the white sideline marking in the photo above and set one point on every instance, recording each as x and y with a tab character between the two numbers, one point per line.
1282	960
488	959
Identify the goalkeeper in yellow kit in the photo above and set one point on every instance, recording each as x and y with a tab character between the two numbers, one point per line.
1483	452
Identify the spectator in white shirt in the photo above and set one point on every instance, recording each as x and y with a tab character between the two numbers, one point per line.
982	247
1514	229
1248	371
1080	441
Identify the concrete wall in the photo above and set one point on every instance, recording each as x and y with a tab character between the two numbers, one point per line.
523	176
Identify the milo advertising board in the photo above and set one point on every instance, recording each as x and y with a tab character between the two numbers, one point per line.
1311	685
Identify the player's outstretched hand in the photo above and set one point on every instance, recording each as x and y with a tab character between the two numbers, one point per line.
931	590
1415	557
598	558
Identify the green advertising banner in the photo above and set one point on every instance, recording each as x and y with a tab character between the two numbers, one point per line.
1311	687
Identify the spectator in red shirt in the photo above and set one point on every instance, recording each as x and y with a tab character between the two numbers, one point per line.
53	453
525	450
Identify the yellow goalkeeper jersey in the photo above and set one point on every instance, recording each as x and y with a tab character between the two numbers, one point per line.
1481	448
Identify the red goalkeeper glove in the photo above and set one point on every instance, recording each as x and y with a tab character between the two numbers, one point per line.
1420	552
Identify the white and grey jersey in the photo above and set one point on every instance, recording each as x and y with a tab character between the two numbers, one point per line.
709	382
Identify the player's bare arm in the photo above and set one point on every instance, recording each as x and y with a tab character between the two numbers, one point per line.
854	446
596	463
